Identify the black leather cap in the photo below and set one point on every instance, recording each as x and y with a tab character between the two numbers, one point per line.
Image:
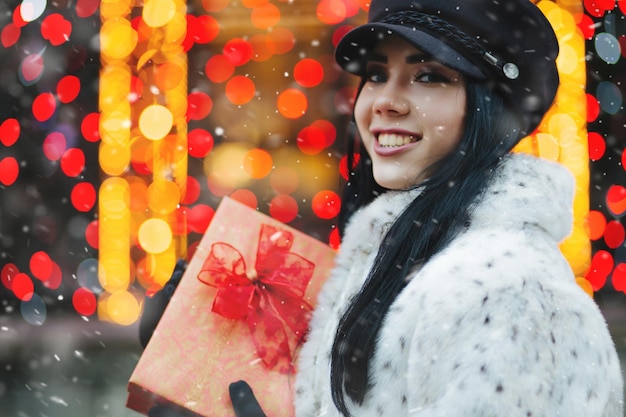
508	44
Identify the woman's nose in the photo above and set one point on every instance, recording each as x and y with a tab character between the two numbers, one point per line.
391	101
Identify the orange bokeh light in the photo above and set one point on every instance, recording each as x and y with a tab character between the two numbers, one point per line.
257	163
240	90
265	17
292	103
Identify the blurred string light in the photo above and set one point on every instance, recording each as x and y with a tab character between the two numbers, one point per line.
143	127
562	135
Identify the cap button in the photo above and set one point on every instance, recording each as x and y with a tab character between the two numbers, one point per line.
511	71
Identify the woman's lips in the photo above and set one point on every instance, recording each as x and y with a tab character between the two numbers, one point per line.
388	144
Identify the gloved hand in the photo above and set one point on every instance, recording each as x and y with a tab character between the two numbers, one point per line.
244	403
155	305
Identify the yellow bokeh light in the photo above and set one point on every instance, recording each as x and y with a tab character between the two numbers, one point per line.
224	165
155	122
157	13
163	196
155	235
117	39
123	308
113	158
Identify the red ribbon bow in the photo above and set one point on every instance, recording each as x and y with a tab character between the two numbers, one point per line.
270	299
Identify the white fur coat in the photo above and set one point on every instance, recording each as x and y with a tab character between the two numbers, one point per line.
494	326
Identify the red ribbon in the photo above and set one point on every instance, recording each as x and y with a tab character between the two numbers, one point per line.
270	299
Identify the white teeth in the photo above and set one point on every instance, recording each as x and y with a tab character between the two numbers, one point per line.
393	139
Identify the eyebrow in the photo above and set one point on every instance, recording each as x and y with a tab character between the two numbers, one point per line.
411	59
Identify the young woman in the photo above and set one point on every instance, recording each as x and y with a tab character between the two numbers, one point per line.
450	297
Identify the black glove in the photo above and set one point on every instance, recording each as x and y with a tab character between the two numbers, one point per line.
244	402
155	305
241	396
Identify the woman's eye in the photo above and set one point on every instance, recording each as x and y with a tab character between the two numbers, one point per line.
375	76
431	77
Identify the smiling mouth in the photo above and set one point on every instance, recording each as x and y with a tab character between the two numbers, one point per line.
391	140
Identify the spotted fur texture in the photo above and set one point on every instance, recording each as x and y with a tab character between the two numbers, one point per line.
493	326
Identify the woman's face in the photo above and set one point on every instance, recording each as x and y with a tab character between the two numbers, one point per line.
410	113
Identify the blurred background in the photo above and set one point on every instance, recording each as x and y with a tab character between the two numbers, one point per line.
266	113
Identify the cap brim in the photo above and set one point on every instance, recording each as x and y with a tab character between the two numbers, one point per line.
354	48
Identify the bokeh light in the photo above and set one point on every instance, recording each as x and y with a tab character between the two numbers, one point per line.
292	103
240	89
256	111
283	208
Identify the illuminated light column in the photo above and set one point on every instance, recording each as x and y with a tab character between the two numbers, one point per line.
143	126
562	136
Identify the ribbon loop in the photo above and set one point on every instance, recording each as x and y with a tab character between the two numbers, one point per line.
273	303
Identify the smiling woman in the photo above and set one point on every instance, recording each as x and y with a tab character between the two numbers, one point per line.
410	113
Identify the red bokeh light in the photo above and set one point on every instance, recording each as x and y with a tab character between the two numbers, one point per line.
9	170
31	68
204	28
89	127
84	302
218	68
7	275
56	277
10	35
593	108
616	199
343	165
308	72
56	29
199	217
9	132
331	12
73	162
326	204
334	239
40	265
68	88
619	277
238	51
86	8
597	146
23	286
54	146
246	197
586	25
92	233
44	106
601	266
192	192
83	196
614	234
199	143
17	17
283	208
311	140
199	105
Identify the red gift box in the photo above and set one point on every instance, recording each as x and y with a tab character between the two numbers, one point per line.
240	312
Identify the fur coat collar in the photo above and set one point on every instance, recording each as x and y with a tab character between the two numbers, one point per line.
494	325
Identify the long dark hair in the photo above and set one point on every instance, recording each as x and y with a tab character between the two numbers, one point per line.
424	228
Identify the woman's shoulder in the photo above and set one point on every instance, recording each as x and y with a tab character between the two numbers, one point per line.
526	190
